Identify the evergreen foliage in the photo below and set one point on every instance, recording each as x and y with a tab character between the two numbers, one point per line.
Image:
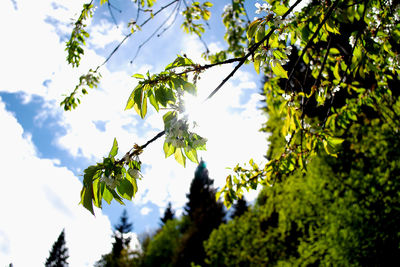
120	255
162	248
239	207
59	253
180	241
205	214
169	214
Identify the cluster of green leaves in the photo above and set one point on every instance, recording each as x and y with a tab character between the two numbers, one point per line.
181	142
143	3
165	90
162	90
75	51
111	179
192	14
89	80
78	36
235	21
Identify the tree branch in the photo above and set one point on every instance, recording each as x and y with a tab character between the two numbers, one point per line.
328	14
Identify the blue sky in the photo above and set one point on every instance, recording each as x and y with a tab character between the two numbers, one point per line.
46	149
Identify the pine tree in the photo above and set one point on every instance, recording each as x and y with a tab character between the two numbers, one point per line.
121	242
119	255
59	253
169	214
205	214
239	208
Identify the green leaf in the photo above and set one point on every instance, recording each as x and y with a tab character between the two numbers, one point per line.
180	158
192	155
252	29
164	95
257	63
279	70
336	71
107	196
332	145
133	182
116	197
138	76
125	189
153	100
89	174
114	149
100	192
168	149
179	62
143	110
260	33
168	118
86	198
280	10
189	87
97	193
335	141
131	100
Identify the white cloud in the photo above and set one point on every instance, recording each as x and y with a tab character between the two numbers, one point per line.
38	200
105	33
145	211
300	6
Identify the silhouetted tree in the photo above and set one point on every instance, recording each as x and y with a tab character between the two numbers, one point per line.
205	214
119	255
120	241
239	207
58	254
169	214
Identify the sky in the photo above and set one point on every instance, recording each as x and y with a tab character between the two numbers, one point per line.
46	149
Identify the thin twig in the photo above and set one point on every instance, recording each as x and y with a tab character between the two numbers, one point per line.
109	5
154	33
172	22
328	14
252	49
130	34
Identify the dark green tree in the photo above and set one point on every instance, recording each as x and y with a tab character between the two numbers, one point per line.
120	253
58	254
162	248
120	241
169	214
239	207
204	213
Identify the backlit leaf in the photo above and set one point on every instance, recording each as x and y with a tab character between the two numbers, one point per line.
180	158
114	149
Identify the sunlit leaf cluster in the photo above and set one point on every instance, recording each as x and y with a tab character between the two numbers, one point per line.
111	179
89	80
192	16
78	36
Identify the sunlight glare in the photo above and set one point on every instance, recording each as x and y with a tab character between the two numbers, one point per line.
198	111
